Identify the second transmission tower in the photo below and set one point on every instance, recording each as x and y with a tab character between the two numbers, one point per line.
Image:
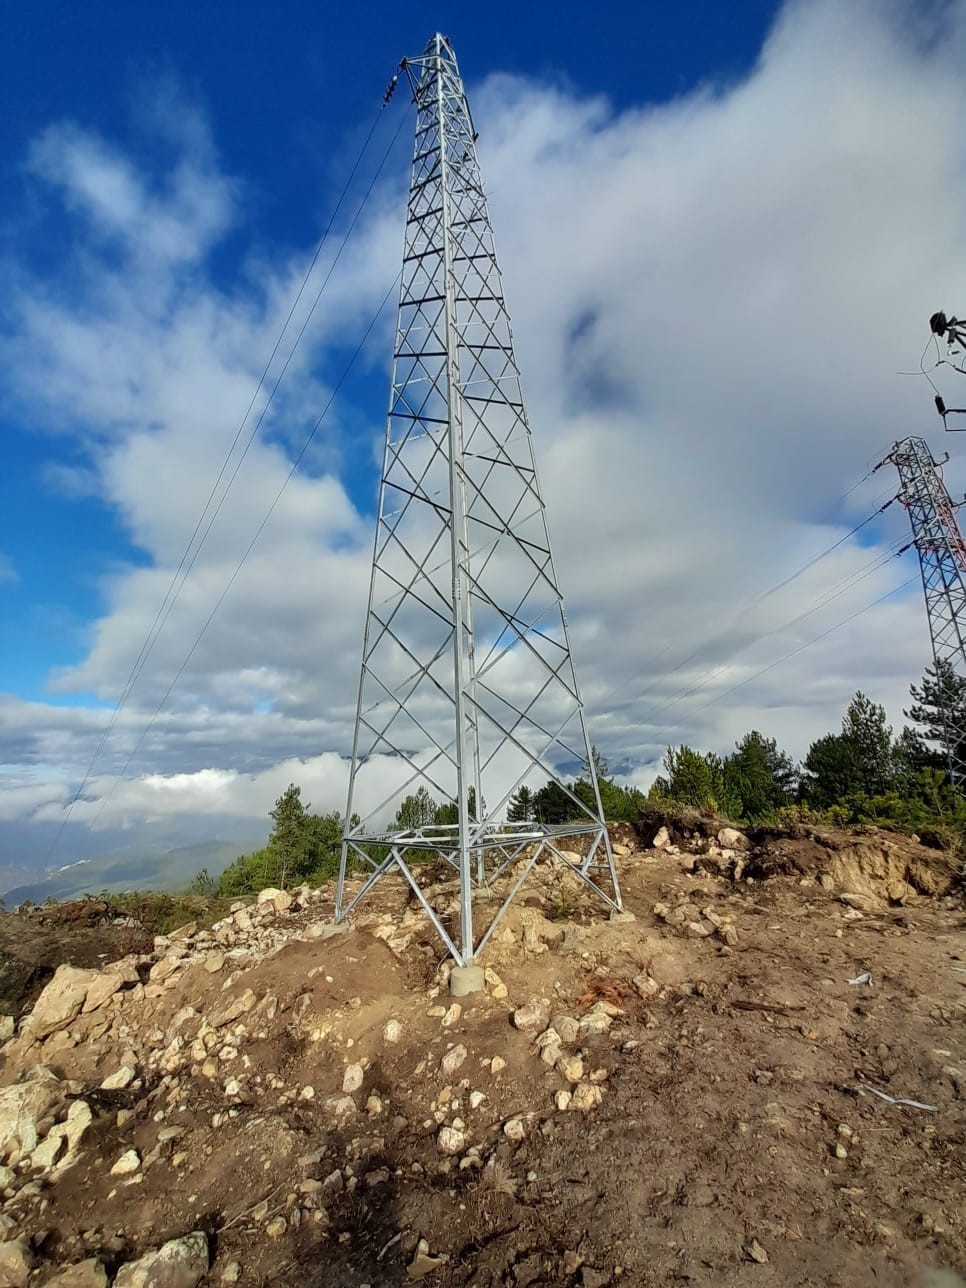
942	562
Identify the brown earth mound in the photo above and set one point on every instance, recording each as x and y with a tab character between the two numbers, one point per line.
697	1091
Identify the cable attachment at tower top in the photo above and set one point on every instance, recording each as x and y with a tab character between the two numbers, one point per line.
391	87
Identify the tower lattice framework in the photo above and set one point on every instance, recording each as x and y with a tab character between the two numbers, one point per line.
467	687
942	562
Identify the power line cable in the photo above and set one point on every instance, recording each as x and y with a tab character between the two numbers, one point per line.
251	545
185	564
840	588
786	581
851	618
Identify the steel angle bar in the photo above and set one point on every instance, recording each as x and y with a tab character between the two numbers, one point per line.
578	871
340	912
429	909
508	899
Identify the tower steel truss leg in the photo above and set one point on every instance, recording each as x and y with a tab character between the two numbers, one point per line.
467	686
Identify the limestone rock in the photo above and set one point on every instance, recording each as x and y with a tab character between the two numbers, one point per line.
567	1027
353	1077
79	1118
49	1149
119	1080
7	1027
450	1140
214	962
453	1059
234	1010
571	1067
128	1162
100	990
85	1274
280	900
729	838
392	1032
452	1016
180	1263
16	1260
514	1130
594	1022
23	1104
531	1017
341	1108
662	840
60	1002
587	1096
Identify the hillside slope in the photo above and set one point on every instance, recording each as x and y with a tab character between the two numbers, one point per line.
170	870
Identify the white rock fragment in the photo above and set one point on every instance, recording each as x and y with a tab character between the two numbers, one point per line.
127	1163
119	1080
392	1031
453	1059
532	1016
450	1140
571	1067
180	1263
353	1078
514	1130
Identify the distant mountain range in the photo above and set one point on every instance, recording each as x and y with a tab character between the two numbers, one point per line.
171	870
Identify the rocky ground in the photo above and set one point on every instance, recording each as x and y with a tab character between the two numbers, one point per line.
755	1075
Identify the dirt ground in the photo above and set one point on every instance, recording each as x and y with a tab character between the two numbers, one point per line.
737	1139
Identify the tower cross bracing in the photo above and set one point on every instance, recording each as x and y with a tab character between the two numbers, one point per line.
467	686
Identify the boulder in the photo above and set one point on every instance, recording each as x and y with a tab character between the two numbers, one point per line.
119	1080
453	1059
729	838
450	1140
531	1017
23	1104
280	900
661	840
16	1261
60	1002
100	990
180	1263
234	1010
85	1274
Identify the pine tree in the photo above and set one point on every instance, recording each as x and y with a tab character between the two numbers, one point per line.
521	808
942	690
690	778
288	842
759	776
859	761
417	810
551	804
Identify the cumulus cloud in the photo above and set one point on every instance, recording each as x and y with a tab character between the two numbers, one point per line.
711	298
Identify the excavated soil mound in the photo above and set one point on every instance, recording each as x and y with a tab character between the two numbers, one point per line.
737	1081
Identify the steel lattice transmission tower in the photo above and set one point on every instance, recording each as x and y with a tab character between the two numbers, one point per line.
942	562
467	687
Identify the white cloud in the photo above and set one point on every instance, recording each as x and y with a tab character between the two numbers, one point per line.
711	299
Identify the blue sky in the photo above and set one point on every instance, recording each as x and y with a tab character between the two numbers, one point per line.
695	208
286	96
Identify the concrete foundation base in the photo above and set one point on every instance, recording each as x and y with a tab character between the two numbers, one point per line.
466	979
